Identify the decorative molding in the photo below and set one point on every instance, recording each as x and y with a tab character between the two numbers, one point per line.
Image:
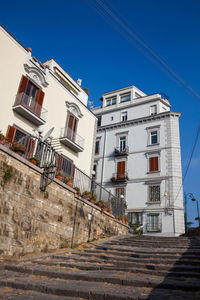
36	75
74	108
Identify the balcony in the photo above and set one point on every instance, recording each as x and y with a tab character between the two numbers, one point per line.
119	151
116	177
72	140
33	112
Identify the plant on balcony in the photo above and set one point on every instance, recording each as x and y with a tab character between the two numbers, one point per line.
59	175
18	148
103	205
113	178
68	180
93	198
3	139
110	211
34	160
86	195
77	189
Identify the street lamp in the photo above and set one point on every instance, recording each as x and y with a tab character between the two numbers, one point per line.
193	199
185	204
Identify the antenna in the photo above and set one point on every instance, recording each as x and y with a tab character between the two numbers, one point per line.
47	135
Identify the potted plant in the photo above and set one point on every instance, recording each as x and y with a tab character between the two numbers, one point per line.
18	148
68	180
59	175
110	211
77	190
102	204
3	139
86	195
93	198
34	160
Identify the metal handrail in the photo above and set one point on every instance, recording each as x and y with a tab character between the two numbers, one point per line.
68	133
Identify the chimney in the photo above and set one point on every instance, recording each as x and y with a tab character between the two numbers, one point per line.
79	81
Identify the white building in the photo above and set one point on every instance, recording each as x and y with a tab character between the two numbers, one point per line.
138	155
40	96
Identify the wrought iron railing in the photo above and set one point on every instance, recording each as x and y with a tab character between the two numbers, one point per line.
120	151
154	227
119	177
72	136
30	105
48	159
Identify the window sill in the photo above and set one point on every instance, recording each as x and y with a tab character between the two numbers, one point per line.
153	202
153	172
149	145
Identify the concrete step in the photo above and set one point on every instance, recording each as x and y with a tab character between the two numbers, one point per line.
90	289
154	245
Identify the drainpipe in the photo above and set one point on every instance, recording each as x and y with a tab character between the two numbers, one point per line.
102	169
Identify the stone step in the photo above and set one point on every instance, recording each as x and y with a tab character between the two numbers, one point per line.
153	245
110	257
124	263
7	293
122	278
148	269
138	254
147	250
90	289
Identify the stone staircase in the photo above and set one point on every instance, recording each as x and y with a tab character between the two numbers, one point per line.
128	267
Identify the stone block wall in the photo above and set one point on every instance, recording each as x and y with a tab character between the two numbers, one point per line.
35	221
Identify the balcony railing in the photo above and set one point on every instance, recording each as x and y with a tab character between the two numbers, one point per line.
116	177
30	110
71	139
119	151
154	227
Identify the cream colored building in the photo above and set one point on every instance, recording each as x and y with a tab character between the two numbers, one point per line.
41	96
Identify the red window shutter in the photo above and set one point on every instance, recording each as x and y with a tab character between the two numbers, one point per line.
23	84
120	169
153	164
71	126
29	147
39	102
10	134
59	163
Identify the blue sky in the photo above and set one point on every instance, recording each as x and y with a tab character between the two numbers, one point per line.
90	46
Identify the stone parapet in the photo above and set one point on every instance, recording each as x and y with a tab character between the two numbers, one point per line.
35	221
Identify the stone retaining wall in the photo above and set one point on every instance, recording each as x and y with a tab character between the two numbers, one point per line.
33	221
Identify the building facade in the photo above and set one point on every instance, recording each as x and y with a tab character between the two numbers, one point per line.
137	155
37	97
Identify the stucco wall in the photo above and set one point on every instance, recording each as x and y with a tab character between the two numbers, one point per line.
13	58
31	220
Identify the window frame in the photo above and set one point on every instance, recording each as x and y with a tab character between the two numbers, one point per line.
156	109
150	193
112	100
150	130
125	95
152	216
124	116
99	119
121	149
97	142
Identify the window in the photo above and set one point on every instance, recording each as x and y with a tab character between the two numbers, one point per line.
122	143
153	137
65	165
135	218
121	166
30	96
120	191
137	95
153	222
153	109
124	116
153	164
95	170
111	118
98	121
97	147
154	193
111	101
125	97
71	127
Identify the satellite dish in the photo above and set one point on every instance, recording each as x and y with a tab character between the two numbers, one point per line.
47	135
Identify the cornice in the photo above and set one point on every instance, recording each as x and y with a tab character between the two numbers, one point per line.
138	121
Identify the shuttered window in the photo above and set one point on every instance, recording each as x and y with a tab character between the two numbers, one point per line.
153	164
30	96
121	169
71	126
